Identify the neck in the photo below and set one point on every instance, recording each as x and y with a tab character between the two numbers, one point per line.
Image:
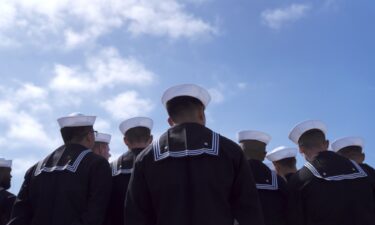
311	154
284	171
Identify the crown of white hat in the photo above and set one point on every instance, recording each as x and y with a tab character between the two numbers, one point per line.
135	122
76	120
5	163
280	153
346	142
190	90
254	135
302	127
102	137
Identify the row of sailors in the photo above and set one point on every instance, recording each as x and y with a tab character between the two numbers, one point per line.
192	175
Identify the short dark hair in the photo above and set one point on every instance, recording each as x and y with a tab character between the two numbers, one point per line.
312	138
183	106
287	162
350	149
138	134
74	134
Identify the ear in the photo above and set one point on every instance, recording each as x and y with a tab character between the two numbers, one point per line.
301	149
202	116
126	141
170	122
326	144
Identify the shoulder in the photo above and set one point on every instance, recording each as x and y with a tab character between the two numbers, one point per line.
299	179
146	154
94	160
230	146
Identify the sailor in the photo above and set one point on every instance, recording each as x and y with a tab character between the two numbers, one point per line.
72	185
6	198
137	136
101	146
271	187
352	148
329	189
191	175
284	160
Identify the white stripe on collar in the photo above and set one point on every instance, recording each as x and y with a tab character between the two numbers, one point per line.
361	173
273	186
183	153
72	168
116	172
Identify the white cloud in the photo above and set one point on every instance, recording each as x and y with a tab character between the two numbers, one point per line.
126	105
106	69
276	18
216	95
242	85
102	125
19	107
83	21
21	165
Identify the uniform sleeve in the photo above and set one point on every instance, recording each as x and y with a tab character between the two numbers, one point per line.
371	176
295	203
245	200
22	211
138	205
100	185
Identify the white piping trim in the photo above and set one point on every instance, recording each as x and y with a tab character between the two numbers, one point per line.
361	173
72	168
116	172
273	186
183	153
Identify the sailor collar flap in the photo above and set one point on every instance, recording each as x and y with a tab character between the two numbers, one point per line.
353	172
62	159
124	164
270	184
265	179
185	141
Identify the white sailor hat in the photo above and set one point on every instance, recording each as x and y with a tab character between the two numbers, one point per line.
102	137
5	163
135	122
281	152
301	128
345	142
191	90
76	120
254	135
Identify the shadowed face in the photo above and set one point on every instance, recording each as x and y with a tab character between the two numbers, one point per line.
5	177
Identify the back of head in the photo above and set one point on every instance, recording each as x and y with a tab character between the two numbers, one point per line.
254	149
288	163
72	135
184	109
138	135
352	152
312	139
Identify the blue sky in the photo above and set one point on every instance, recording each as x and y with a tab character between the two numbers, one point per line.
268	65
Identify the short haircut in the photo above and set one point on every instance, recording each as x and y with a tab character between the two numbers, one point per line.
312	138
74	134
183	106
350	149
287	162
138	135
253	145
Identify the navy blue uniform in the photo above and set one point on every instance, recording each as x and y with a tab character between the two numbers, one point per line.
70	187
331	190
192	176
